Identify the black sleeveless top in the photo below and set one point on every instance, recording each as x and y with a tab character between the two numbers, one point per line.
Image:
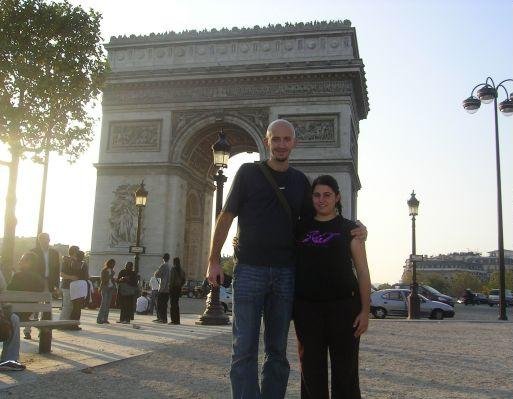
324	264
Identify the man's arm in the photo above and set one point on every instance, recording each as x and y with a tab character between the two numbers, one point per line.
220	232
360	232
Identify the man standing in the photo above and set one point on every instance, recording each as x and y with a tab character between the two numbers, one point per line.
154	287
163	273
48	265
263	280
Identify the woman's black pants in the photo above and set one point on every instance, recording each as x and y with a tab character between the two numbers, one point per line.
125	303
323	327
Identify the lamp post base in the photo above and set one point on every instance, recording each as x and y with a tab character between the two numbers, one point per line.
214	313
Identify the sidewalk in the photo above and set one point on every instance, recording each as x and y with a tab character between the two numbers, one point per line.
399	360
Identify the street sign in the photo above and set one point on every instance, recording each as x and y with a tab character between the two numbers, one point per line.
416	258
137	249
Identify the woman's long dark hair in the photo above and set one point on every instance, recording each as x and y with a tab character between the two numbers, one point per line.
176	262
109	264
328	180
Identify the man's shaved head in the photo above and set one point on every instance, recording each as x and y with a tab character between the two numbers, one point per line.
280	123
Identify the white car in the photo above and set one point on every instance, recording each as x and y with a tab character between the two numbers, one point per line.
225	297
394	302
493	297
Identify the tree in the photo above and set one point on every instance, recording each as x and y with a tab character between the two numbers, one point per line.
436	281
52	65
494	280
383	286
227	264
464	280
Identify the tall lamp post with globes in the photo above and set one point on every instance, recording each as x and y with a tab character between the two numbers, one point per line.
413	299
141	195
214	313
487	93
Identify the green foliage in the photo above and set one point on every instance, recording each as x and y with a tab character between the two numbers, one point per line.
227	264
494	281
52	64
435	281
464	280
383	286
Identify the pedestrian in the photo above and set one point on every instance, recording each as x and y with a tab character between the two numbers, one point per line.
127	289
163	273
269	198
48	263
10	334
154	289
143	304
107	288
27	279
66	280
79	288
176	282
332	304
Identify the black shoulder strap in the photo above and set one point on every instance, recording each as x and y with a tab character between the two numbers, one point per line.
279	194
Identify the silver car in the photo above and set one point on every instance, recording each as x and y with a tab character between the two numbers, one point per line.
393	302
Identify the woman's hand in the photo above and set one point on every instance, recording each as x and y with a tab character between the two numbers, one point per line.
361	323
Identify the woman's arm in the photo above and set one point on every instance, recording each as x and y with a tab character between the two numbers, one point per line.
359	256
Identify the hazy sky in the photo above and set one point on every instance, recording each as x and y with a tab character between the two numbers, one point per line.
422	58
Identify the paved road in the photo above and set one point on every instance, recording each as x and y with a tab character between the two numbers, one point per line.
400	359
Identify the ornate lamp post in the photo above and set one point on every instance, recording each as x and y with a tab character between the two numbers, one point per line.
413	299
487	93
141	195
214	312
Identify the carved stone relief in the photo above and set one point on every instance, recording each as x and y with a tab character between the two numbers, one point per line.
207	90
315	129
123	216
134	136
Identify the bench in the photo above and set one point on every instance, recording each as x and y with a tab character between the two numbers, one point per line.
34	302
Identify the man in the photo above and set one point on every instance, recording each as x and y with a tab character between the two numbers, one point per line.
9	359
68	276
163	273
154	287
264	275
176	282
48	265
143	304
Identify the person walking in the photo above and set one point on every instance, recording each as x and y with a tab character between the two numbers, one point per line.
332	304
163	273
176	282
127	289
269	198
107	287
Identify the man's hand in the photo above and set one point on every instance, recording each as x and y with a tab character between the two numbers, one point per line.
360	232
215	275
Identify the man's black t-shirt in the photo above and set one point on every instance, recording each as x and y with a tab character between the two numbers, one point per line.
324	268
265	231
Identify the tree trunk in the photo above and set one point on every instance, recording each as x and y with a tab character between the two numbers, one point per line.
10	217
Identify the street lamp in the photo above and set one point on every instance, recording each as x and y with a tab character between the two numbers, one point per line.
141	196
413	299
214	313
487	93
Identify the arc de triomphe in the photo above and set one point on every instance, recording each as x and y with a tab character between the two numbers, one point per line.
169	94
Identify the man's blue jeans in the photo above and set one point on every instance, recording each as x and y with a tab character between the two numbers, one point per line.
257	291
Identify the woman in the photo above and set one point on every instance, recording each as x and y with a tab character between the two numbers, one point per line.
127	289
176	282
331	308
78	271
107	286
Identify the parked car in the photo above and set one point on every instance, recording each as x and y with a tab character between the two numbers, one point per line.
225	297
480	298
394	302
189	289
96	295
429	293
493	297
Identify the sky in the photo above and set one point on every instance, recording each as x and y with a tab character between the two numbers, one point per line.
422	59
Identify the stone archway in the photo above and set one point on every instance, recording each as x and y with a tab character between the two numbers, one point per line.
167	97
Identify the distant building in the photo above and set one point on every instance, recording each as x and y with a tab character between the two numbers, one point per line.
447	265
